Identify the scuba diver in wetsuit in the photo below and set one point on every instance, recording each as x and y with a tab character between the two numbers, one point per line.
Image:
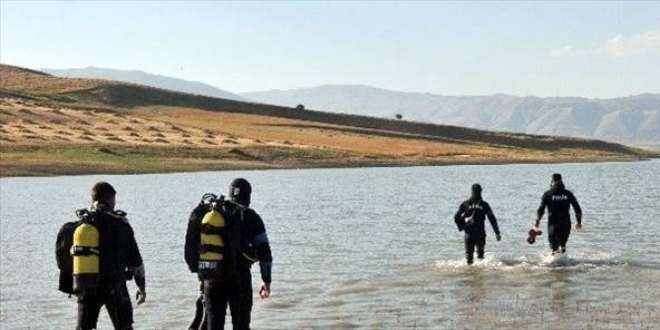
224	239
118	258
470	217
558	200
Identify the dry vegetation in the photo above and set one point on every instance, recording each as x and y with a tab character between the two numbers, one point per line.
18	79
22	119
45	130
369	142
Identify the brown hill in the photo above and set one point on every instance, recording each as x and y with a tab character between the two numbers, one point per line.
119	127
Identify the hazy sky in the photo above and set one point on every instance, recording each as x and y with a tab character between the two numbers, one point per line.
592	49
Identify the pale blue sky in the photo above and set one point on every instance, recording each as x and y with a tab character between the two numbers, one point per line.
592	49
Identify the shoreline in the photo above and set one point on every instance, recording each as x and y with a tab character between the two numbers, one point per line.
56	169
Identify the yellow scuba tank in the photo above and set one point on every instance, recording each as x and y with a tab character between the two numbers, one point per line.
212	244
85	258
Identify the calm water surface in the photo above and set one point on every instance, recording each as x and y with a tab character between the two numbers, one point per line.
372	248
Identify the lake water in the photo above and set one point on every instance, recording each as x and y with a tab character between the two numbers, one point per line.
371	248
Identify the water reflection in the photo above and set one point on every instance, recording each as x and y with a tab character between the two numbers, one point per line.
559	292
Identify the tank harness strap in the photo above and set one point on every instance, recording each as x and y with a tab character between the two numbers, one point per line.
211	230
203	248
83	251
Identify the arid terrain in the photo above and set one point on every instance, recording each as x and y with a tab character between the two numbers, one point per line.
56	126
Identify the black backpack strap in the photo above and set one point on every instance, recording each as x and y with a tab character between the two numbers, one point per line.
83	251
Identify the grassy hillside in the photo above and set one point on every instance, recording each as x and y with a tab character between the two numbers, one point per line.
51	125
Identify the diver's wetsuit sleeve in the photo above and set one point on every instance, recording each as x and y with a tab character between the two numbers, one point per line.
458	217
576	208
259	239
491	218
544	204
191	246
135	261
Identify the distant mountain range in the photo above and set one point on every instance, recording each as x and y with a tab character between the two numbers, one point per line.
631	120
634	119
148	79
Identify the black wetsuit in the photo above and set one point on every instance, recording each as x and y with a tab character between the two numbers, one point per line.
245	233
118	251
475	234
558	200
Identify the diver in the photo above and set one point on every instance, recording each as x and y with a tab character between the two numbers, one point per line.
558	200
118	258
224	238
470	218
199	320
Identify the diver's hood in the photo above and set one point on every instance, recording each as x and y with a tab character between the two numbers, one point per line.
557	186
476	192
240	191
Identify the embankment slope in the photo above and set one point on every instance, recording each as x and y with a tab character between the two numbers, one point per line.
54	126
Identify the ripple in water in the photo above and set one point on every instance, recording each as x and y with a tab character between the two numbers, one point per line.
379	250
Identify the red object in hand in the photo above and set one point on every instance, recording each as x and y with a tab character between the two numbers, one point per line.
264	292
531	235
